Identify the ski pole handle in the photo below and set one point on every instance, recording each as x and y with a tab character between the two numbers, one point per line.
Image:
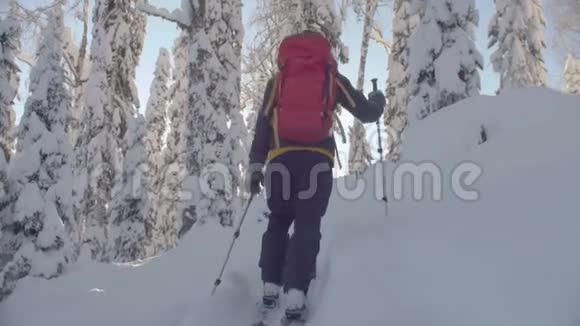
375	86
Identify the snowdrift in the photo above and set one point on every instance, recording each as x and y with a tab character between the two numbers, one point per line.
507	257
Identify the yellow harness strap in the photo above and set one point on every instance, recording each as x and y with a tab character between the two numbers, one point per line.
283	150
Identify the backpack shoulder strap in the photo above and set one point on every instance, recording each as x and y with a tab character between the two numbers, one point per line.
346	93
271	104
331	100
274	95
340	127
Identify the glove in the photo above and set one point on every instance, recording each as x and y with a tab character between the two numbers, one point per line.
378	97
254	179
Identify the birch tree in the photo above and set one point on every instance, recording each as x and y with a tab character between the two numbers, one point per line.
360	151
564	18
398	77
81	68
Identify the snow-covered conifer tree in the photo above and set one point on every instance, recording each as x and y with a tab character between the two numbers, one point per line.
3	184
126	28
173	171
398	77
131	234
111	101
517	30
10	34
156	128
40	234
572	75
360	151
215	153
97	155
213	130
444	61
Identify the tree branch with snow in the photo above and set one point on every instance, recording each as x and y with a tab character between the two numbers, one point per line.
177	16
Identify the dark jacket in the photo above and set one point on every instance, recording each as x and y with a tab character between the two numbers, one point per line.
364	110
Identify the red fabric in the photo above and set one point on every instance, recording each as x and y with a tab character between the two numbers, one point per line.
304	100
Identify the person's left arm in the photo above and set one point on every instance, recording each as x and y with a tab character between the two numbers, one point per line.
262	132
365	110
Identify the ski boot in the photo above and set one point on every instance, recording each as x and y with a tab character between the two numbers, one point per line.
296	309
271	296
268	307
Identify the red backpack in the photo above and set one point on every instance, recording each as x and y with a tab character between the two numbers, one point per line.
305	88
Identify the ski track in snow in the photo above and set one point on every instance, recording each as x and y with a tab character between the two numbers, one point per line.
231	299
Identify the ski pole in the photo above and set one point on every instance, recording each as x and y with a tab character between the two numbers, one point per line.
376	88
218	281
380	150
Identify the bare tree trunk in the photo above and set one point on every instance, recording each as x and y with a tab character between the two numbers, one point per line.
84	40
360	153
369	13
79	67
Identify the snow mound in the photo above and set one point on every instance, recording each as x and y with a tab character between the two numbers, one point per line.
508	257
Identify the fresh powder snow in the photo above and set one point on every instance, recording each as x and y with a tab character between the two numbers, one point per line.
499	247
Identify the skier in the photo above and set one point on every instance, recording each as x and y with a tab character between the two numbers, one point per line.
293	134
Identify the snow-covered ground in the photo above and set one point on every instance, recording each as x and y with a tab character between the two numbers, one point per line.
511	257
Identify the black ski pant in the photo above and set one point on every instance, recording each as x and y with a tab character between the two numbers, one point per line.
298	186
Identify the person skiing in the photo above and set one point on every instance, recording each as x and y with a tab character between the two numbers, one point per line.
293	142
